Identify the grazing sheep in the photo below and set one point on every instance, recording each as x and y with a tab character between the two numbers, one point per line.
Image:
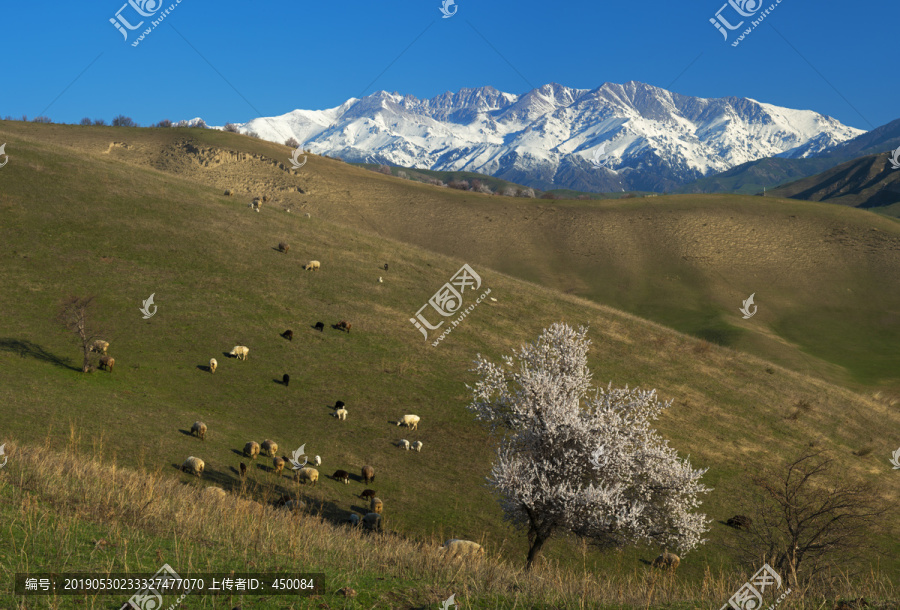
368	493
339	404
385	266
193	465
288	334
368	474
372	521
289	503
410	421
278	464
213	365
100	346
667	560
740	522
344	325
312	265
342	475
107	362
269	448
306	475
380	281
307	215
376	505
285	379
353	520
320	327
243	470
240	352
251	450
265	198
341	414
456	546
317	461
215	491
229	192
283	247
199	430
417	445
403	444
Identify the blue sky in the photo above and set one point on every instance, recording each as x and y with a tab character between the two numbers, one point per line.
234	61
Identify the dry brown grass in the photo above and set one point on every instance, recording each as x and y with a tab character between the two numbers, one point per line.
54	493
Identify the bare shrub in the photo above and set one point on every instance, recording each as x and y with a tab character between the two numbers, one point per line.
232	128
292	142
123	121
85	121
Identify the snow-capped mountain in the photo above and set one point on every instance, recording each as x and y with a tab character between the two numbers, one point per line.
632	136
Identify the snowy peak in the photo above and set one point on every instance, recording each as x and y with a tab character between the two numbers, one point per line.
630	136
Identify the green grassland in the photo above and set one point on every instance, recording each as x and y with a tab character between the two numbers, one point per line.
84	215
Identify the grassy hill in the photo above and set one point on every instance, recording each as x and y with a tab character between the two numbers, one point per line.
123	213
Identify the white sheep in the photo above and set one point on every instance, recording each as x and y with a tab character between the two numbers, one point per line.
411	421
417	445
312	265
404	444
463	547
215	491
317	461
100	346
199	430
213	365
341	414
307	475
193	465
269	448
240	352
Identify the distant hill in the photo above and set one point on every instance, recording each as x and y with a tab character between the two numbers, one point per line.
868	182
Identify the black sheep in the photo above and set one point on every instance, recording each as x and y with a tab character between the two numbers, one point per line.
339	404
286	379
320	327
288	334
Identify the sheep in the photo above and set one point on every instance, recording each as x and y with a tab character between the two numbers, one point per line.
283	247
353	520
342	475
289	503
417	445
269	448
740	522
199	430
229	192
288	334
372	521
403	444
240	352
340	404
193	465
380	281
456	546
667	560
376	505
308	215
320	327
385	266
306	475
243	470
368	493
278	464
341	414
285	379
251	450
368	474
312	266
344	325
411	421
107	362
100	346
213	365
317	461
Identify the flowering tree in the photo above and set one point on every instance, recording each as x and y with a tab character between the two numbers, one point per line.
575	459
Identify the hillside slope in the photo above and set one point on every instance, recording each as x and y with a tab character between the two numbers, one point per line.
132	219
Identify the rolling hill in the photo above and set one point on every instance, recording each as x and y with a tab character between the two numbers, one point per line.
122	213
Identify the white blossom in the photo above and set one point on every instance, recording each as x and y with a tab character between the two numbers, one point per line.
583	460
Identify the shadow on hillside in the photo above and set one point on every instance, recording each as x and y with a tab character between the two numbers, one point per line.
186	432
279	381
204	367
645	562
29	349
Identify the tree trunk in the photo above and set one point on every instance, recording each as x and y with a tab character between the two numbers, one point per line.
538	539
86	366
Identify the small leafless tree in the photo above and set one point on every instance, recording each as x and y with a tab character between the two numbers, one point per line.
164	123
123	121
85	121
807	516
75	315
99	122
231	127
292	142
41	119
200	124
528	192
384	169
